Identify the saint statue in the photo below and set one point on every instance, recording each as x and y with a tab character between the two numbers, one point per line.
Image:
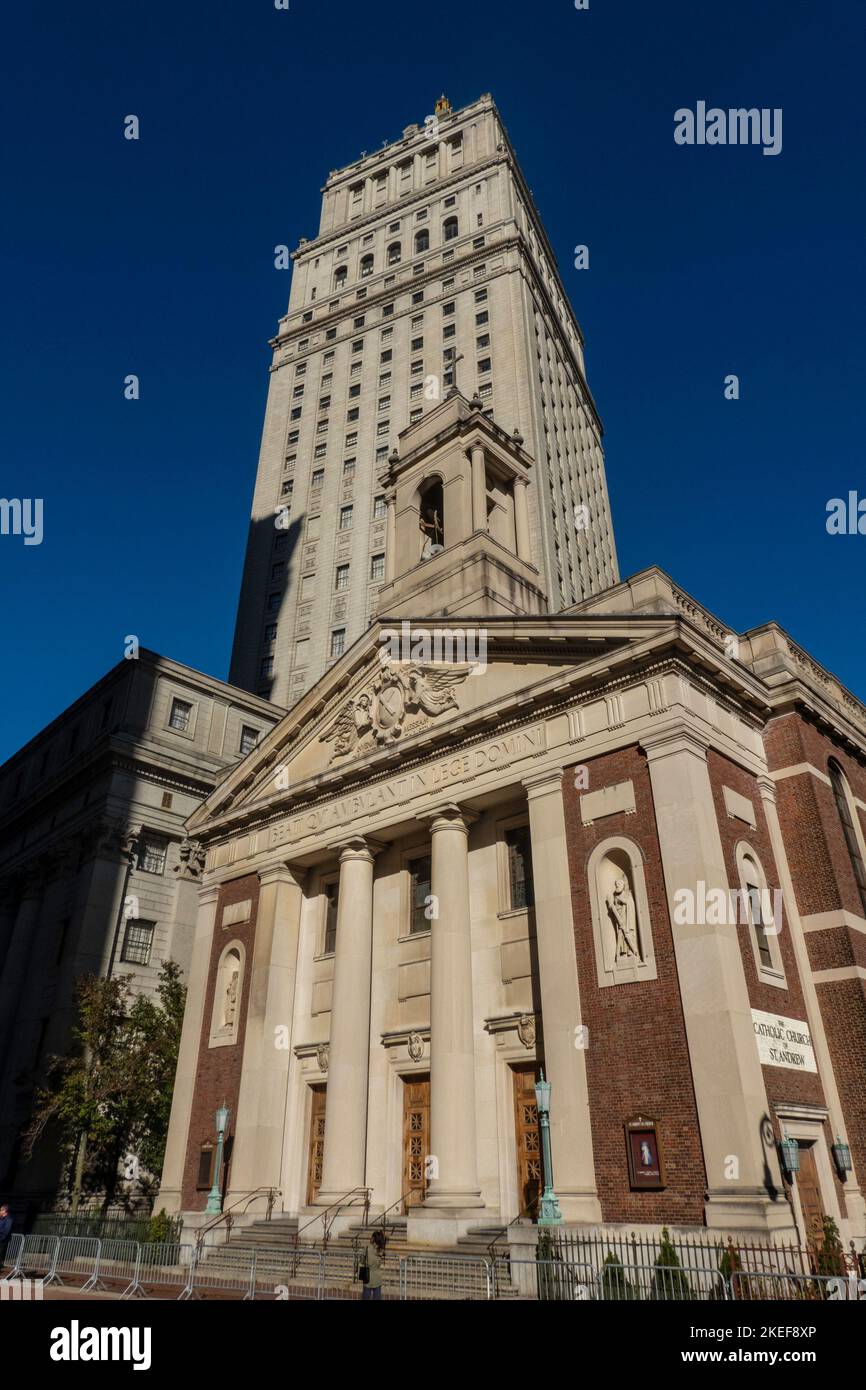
231	999
620	905
431	529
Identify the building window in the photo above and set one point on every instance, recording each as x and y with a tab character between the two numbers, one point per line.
519	867
266	668
380	507
485	365
205	1167
137	942
270	632
387	310
366	265
482	318
346	518
358	345
846	815
348	468
419	893
449	331
394	253
758	909
340	276
386	356
377	567
332	898
448	308
274	602
249	738
422	240
318	477
449	229
338	641
480	296
151	858
181	715
358	322
417	344
341	580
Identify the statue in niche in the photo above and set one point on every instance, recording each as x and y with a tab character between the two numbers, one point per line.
432	530
231	1000
621	909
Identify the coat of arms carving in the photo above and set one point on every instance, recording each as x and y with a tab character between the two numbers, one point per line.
398	691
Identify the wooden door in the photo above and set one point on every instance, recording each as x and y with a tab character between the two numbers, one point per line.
529	1163
809	1190
416	1138
317	1143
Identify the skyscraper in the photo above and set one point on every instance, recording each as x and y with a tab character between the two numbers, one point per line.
430	269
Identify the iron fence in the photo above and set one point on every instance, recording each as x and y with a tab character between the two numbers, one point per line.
809	1288
119	1227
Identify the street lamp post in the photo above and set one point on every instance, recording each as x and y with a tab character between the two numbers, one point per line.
214	1200
549	1212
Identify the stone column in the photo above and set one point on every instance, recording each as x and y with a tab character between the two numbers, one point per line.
564	1061
852	1191
171	1190
390	536
452	1041
258	1146
521	520
344	1166
729	1084
479	490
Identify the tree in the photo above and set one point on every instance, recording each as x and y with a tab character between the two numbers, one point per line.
111	1094
669	1282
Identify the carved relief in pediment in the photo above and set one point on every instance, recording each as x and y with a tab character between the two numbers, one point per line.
397	692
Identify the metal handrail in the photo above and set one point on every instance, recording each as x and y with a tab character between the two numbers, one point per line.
334	1206
273	1193
519	1217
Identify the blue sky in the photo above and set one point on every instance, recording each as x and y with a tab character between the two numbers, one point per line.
156	258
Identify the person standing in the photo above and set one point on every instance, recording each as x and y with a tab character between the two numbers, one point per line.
374	1261
5	1232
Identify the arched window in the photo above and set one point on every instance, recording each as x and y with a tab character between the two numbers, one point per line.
394	253
449	229
430	520
760	910
340	277
422	240
366	265
847	814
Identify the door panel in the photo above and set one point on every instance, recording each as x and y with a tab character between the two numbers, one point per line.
416	1138
809	1190
528	1137
317	1143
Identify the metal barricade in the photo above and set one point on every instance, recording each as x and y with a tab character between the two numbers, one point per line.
163	1267
338	1278
11	1255
77	1258
37	1255
226	1268
116	1263
465	1277
291	1273
789	1287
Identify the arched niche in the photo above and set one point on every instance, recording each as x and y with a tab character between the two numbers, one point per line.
228	991
431	517
621	926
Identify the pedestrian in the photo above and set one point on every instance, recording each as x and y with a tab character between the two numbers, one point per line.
5	1232
374	1260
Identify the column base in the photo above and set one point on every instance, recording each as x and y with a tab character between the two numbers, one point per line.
581	1206
750	1210
456	1198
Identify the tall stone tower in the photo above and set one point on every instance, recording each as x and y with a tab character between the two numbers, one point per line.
430	262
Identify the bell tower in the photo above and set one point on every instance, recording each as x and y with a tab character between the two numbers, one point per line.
457	538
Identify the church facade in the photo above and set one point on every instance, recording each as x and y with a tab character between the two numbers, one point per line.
618	842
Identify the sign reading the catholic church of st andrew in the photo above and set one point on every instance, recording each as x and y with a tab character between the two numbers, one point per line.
783	1042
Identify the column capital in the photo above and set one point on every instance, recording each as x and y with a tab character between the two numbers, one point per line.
208	893
520	480
766	786
668	742
282	872
543	783
358	847
450	816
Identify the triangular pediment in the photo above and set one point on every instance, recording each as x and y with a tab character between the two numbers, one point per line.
405	687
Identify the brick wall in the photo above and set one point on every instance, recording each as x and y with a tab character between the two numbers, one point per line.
219	1068
638	1057
824	882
